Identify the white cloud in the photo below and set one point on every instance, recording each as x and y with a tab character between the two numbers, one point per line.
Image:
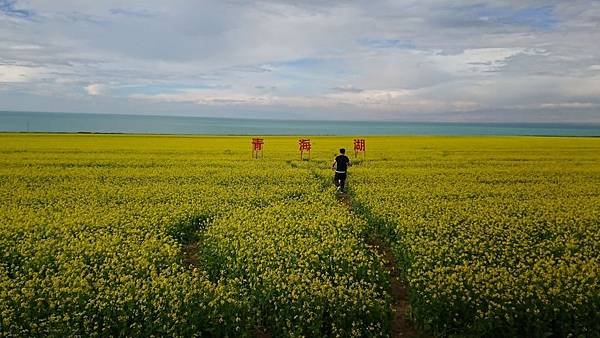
15	74
364	98
569	105
25	47
385	100
477	61
223	98
96	89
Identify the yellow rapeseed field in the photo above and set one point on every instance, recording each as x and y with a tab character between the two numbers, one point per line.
139	235
497	236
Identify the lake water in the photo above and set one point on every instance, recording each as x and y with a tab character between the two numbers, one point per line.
113	123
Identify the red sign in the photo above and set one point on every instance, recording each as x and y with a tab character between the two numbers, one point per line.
257	143
359	146
257	147
304	145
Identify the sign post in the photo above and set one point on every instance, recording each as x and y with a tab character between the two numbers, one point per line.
304	146
257	147
359	147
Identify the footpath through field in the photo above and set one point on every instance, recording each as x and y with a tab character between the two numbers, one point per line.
227	261
400	325
297	258
398	290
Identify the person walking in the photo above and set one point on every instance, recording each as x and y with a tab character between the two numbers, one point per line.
340	165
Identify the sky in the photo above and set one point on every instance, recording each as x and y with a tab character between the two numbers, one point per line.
422	60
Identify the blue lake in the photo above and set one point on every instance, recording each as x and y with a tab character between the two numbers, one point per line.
113	123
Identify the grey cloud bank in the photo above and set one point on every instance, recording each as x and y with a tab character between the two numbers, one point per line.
501	61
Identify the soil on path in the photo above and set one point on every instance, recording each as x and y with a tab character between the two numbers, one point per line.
190	257
401	326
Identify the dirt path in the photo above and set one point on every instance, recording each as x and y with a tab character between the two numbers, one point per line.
401	326
190	257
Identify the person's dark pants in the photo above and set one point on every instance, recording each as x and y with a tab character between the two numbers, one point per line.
339	180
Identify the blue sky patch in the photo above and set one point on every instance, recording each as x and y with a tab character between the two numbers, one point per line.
301	63
130	12
7	7
387	43
537	17
541	17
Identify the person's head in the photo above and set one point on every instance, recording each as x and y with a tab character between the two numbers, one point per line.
342	151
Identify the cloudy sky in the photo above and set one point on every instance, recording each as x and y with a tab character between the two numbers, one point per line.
423	60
